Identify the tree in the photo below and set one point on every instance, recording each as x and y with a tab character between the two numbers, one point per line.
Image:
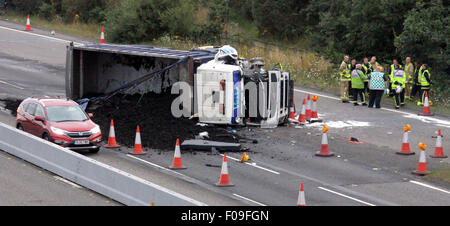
426	38
426	35
282	19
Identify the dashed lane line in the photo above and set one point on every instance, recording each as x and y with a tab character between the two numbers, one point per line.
429	186
254	165
247	199
346	196
7	83
156	165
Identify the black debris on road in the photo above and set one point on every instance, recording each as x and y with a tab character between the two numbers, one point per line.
158	128
12	105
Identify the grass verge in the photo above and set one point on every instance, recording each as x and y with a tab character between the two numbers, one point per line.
442	175
90	31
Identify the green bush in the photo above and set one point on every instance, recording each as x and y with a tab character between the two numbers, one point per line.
46	11
26	6
179	20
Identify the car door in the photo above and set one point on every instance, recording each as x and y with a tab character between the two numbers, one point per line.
38	126
29	118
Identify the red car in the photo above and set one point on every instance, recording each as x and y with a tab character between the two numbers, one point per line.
61	121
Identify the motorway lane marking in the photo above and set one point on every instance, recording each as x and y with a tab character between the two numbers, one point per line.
7	83
254	165
410	115
42	36
198	203
67	181
429	186
156	165
242	197
346	196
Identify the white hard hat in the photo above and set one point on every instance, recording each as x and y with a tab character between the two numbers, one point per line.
398	89
226	51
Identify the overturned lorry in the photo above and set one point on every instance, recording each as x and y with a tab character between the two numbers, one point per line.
214	84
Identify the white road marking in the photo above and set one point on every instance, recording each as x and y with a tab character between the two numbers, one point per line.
198	203
242	197
254	165
7	83
429	186
346	196
409	115
67	182
316	94
155	165
42	36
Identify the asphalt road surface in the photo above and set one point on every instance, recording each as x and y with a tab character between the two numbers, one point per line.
360	174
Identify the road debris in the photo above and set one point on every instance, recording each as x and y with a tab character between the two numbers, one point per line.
152	112
206	145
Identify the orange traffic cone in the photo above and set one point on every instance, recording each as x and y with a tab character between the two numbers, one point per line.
137	150
102	37
176	164
438	150
405	145
422	166
314	115
308	108
426	106
112	137
28	27
302	117
301	196
224	180
292	118
324	149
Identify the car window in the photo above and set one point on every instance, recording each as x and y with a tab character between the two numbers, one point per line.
31	108
39	111
24	107
65	113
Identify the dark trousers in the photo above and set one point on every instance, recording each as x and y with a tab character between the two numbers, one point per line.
422	93
361	94
375	98
399	98
415	89
366	88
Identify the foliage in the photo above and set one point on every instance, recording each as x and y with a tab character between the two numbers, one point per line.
426	36
279	18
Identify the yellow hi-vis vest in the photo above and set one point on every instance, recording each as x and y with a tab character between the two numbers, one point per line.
345	74
422	79
407	75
